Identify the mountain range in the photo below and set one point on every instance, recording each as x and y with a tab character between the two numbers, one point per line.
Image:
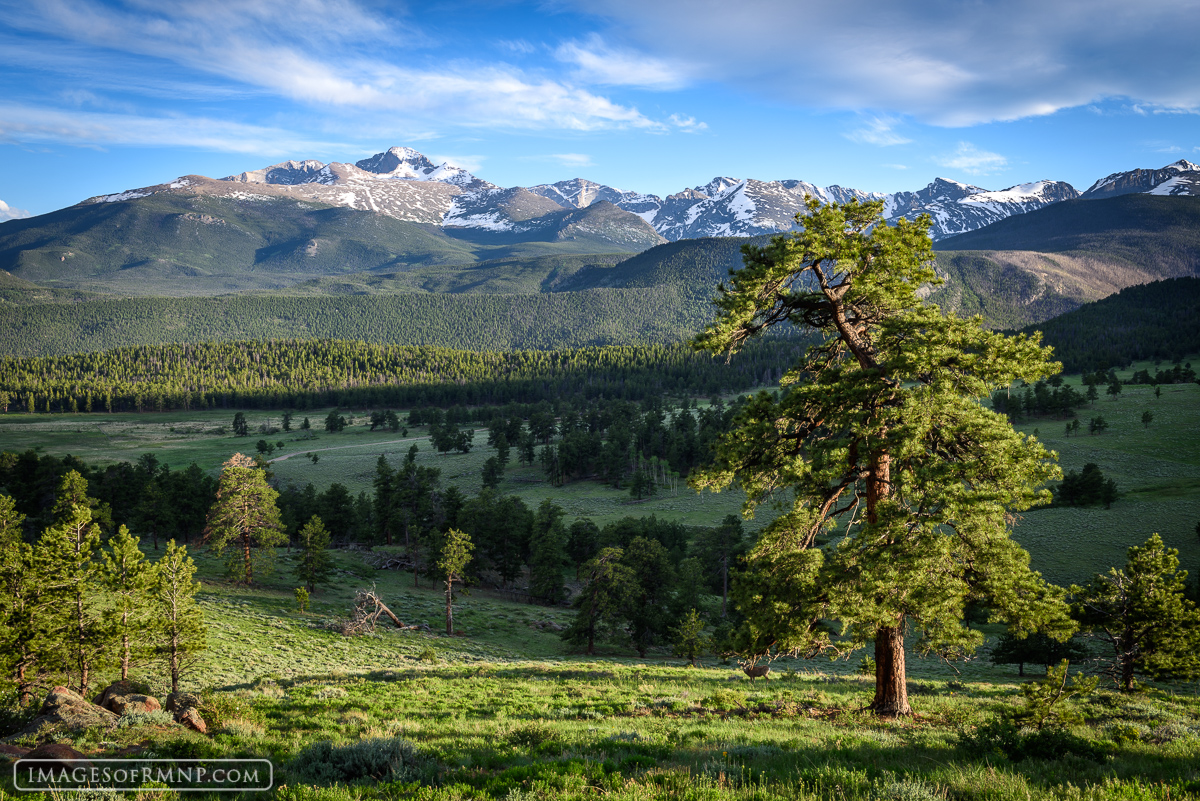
406	185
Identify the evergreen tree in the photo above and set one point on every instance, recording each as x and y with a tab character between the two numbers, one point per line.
546	557
493	472
1143	616
689	639
245	514
608	590
583	541
314	565
127	577
26	604
383	483
179	631
453	561
71	569
334	422
240	427
648	616
882	417
718	549
1037	649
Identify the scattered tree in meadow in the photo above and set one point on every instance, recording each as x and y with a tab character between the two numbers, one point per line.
689	640
1097	425
1143	617
313	565
1086	487
453	561
179	631
1147	418
334	422
1035	649
609	587
241	428
245	515
127	577
493	472
546	556
880	421
70	548
26	604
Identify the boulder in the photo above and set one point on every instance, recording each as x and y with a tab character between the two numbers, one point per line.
63	757
8	753
122	687
191	718
184	707
134	702
180	701
64	708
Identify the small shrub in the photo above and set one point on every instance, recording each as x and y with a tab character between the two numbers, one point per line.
383	760
159	717
302	599
330	692
428	654
908	789
866	666
532	735
725	700
1005	738
244	729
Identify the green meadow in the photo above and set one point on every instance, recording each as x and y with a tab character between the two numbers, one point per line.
503	710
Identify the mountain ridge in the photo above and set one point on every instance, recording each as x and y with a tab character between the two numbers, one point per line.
404	183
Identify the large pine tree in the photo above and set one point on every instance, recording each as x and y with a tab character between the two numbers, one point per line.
879	426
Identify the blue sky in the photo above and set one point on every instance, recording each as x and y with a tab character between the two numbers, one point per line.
653	95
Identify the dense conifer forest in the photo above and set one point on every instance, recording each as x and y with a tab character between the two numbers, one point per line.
297	374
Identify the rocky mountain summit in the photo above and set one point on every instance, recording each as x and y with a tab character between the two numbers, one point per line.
405	184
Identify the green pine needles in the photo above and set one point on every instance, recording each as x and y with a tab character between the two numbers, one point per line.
879	432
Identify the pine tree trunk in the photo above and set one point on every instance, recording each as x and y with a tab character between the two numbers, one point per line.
246	557
891	688
449	608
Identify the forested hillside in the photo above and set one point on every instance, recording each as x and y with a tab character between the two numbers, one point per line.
1149	322
1141	229
302	374
469	321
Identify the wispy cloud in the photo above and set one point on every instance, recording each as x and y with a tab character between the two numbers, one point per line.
877	131
951	64
971	160
468	163
896	166
599	63
565	159
333	55
687	124
8	212
28	124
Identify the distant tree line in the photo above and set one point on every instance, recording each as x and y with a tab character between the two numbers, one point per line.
296	374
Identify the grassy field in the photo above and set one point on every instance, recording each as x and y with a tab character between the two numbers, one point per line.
349	457
504	712
1156	467
1157	470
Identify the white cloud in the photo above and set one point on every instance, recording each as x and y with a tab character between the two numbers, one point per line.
598	63
971	160
572	159
948	63
896	166
687	124
8	212
332	54
469	163
877	131
28	124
